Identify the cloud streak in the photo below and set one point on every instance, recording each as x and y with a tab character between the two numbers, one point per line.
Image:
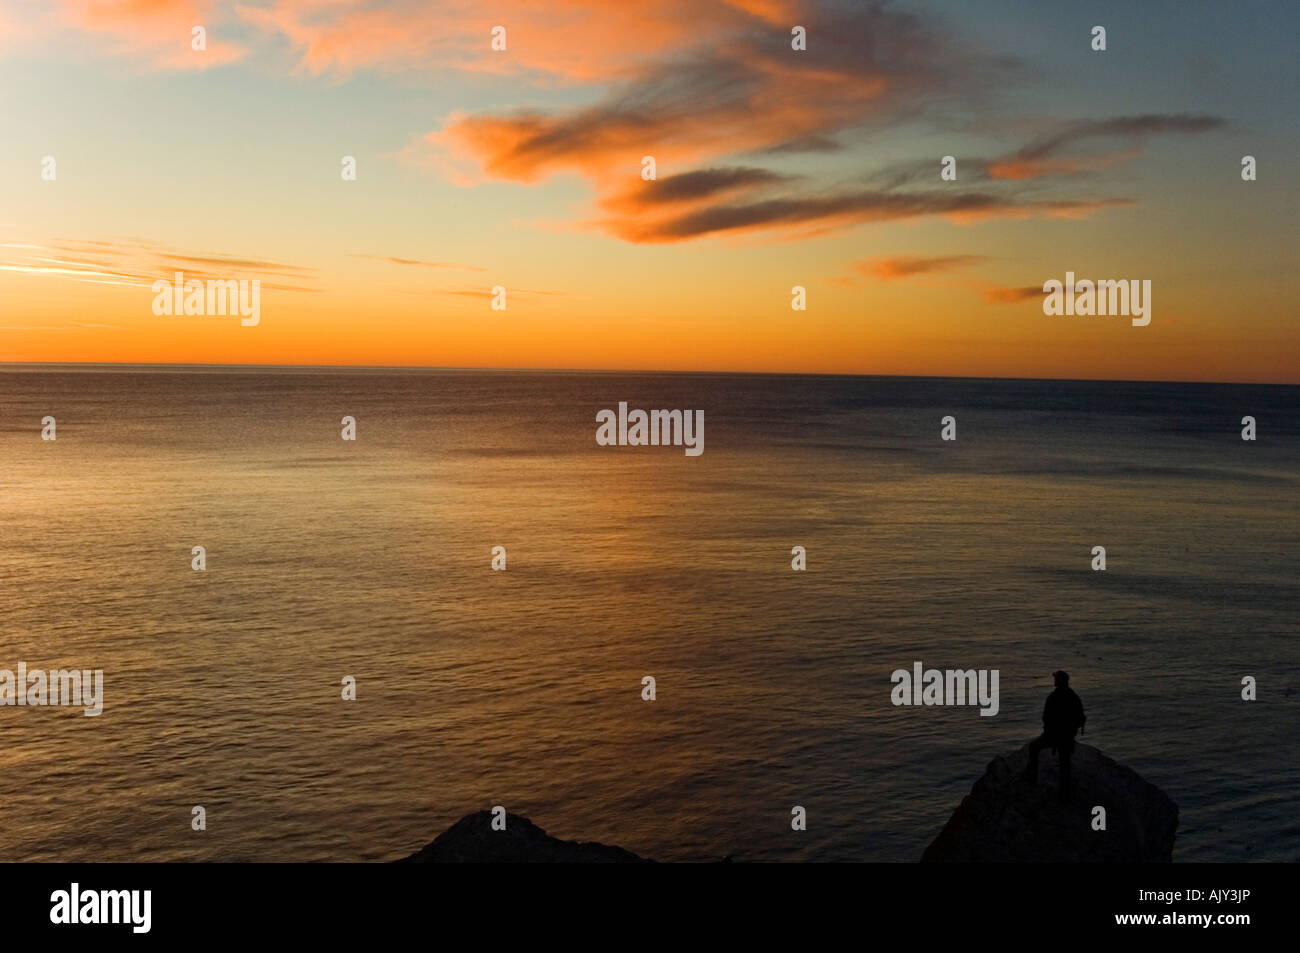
1056	153
843	209
907	266
1003	295
416	263
140	264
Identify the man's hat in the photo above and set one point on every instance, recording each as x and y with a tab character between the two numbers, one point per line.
1060	676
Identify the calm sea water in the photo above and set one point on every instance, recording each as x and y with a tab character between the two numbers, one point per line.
522	688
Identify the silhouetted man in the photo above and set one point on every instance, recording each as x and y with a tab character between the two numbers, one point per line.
1063	717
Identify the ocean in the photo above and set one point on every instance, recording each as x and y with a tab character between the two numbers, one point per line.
371	558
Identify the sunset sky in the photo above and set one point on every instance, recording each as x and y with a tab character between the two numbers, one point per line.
775	168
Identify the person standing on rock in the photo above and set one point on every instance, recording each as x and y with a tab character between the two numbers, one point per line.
1063	718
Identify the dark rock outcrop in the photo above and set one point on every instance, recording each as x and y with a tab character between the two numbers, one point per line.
1005	819
472	840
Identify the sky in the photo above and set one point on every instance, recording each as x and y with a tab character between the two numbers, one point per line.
523	168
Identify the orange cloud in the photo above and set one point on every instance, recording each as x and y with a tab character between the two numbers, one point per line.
157	31
905	266
723	90
741	90
575	40
1028	168
773	11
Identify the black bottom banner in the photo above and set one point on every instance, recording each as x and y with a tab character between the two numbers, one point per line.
141	903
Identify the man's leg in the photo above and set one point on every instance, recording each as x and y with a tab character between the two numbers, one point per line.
1031	769
1065	749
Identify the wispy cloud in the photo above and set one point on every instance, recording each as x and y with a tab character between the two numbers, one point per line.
1003	295
1058	154
412	262
893	267
140	264
70	326
487	292
855	207
1054	153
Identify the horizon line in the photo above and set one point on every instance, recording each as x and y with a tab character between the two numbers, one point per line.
596	370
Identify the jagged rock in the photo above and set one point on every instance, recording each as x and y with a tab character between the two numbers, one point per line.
1005	819
472	840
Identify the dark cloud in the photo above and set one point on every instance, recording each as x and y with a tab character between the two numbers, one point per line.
805	144
1119	127
848	208
1012	295
695	186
